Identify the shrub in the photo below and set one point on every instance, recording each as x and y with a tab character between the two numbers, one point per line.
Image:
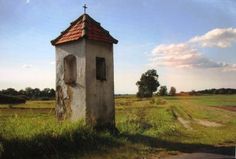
8	99
44	98
172	91
163	91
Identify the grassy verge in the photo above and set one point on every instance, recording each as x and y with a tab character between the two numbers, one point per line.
147	127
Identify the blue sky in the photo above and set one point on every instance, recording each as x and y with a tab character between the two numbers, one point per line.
191	43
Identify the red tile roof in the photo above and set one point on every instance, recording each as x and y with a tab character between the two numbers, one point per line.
84	27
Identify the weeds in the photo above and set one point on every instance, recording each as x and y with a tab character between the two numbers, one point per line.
144	125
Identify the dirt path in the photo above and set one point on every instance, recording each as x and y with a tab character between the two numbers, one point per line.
208	123
230	108
187	123
184	122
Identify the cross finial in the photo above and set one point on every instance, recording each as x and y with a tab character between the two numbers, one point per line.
85	7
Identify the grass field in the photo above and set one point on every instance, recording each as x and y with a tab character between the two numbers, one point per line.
151	128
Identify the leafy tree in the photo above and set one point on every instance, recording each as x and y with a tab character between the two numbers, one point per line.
10	91
36	93
163	91
52	93
29	92
147	84
22	92
172	91
193	92
45	92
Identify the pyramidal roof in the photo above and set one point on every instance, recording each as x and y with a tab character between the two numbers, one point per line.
84	27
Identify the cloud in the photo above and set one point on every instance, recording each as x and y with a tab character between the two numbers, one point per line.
187	55
27	1
181	56
219	37
230	68
26	66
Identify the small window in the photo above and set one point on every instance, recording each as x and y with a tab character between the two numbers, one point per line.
70	71
100	68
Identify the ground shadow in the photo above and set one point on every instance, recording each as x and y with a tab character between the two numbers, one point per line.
80	143
176	146
57	147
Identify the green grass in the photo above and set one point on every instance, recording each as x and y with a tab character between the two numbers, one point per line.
147	127
31	104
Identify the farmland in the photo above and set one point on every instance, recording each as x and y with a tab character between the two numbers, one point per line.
152	128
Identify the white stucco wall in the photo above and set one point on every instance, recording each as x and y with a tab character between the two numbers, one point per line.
88	98
100	94
74	95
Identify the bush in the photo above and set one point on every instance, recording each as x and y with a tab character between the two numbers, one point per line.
8	99
163	91
23	97
172	91
45	98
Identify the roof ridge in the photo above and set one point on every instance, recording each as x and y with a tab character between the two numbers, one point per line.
53	42
82	30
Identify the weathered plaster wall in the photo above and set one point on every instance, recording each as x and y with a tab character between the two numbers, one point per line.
100	94
88	98
71	99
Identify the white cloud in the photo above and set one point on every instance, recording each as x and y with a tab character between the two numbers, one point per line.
27	66
27	1
181	56
186	55
219	37
230	68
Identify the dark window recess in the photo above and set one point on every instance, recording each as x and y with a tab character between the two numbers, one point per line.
70	71
100	68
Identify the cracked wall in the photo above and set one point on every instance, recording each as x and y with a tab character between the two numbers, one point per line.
70	94
86	97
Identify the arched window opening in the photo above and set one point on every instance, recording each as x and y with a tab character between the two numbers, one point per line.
70	69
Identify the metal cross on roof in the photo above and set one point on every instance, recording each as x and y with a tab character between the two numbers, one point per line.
85	7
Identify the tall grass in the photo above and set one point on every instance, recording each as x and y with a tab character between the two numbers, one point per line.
144	124
24	138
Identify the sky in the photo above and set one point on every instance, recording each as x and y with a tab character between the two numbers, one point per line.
191	43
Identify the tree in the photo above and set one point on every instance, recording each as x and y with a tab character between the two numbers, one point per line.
29	92
163	91
10	91
36	93
147	84
45	92
52	93
172	91
193	92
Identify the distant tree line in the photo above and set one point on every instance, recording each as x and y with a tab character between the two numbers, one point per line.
9	99
212	91
30	93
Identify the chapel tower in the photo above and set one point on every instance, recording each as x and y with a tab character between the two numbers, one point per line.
85	73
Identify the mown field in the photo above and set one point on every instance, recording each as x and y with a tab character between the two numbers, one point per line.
151	128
